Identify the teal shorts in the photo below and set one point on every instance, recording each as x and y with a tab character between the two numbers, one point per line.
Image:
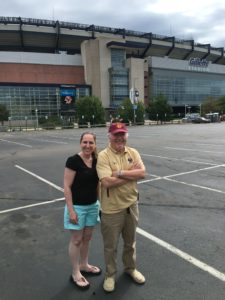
88	215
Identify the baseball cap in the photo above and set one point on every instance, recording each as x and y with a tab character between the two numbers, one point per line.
117	128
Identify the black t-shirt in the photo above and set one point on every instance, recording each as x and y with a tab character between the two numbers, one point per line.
84	187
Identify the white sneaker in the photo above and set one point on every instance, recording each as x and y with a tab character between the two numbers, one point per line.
109	284
136	276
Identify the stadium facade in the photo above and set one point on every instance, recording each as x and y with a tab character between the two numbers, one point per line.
46	65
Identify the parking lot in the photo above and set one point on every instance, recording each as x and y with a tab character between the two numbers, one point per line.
181	233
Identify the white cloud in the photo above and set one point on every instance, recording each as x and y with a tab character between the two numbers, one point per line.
200	20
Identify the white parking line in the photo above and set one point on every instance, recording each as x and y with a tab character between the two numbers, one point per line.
198	150
179	159
194	171
195	185
201	265
20	144
31	205
41	178
49	141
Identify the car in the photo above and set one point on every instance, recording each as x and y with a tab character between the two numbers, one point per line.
201	120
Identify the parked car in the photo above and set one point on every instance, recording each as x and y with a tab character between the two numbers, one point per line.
201	120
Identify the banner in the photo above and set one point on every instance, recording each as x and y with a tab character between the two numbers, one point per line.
67	97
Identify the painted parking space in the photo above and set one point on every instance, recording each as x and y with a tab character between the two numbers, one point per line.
181	229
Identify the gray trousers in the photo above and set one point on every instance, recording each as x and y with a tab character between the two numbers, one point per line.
112	225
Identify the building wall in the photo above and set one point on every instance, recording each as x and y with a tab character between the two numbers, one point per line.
41	58
136	75
41	74
97	61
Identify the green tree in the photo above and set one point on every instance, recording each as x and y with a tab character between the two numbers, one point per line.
140	112
221	105
159	109
90	109
4	113
209	105
126	111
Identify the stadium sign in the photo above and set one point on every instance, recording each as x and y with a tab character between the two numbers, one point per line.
198	62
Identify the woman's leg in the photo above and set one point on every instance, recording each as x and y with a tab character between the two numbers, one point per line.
84	249
74	252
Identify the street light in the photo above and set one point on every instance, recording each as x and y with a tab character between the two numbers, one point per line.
93	117
36	115
26	122
9	119
200	109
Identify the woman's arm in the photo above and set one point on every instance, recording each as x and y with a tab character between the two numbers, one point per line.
69	176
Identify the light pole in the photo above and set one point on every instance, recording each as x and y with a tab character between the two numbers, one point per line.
93	117
36	114
9	119
26	122
200	109
189	109
185	110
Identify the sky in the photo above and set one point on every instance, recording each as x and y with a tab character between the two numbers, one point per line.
201	20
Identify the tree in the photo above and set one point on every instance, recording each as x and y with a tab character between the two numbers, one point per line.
4	113
90	109
126	111
209	105
221	105
159	109
140	112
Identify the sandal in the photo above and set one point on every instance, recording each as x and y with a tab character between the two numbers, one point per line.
92	270
79	283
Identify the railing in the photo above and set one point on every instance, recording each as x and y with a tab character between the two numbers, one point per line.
95	28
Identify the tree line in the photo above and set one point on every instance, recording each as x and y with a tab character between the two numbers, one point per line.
89	109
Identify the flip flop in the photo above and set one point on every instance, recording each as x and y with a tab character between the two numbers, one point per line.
94	271
79	286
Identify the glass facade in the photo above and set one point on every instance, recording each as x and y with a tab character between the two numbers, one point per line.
119	77
23	101
182	88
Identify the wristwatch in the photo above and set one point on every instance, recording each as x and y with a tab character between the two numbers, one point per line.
119	173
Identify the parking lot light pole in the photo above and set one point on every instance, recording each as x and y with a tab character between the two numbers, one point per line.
185	110
200	110
36	115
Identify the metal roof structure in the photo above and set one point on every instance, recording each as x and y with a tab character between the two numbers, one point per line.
36	35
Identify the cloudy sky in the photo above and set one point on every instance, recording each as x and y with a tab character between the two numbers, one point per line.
201	20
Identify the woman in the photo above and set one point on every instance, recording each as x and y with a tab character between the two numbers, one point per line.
82	207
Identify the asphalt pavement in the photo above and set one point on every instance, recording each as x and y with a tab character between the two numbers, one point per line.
181	232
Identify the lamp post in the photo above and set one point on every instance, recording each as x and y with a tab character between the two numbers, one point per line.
36	115
185	110
200	109
93	117
26	122
9	119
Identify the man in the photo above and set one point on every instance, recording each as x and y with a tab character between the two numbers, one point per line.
119	167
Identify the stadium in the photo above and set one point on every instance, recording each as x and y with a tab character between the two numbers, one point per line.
46	65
